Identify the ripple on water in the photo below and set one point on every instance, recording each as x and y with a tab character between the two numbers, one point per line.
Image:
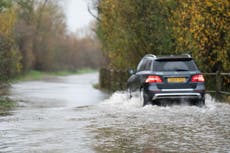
114	125
166	129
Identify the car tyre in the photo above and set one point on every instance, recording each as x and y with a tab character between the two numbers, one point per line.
200	103
143	97
129	93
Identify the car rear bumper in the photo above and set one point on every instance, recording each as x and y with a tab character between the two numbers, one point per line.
177	95
182	93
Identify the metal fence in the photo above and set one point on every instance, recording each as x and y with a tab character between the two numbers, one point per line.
113	80
218	83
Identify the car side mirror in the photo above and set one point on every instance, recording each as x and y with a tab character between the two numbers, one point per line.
132	71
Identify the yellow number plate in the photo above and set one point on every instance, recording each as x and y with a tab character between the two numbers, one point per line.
176	80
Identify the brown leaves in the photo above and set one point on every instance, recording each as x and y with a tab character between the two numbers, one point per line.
7	21
204	27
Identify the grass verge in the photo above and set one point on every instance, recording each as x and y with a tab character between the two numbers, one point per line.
6	104
38	75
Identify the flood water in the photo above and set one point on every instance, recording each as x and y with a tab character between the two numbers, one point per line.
67	115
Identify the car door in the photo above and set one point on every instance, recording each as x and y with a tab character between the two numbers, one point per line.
135	80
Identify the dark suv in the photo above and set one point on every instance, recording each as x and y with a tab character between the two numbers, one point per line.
162	80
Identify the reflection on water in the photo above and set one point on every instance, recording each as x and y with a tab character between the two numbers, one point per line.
69	116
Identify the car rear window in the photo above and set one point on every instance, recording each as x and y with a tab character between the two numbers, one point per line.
174	65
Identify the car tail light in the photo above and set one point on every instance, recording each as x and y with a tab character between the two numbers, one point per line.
153	79
197	78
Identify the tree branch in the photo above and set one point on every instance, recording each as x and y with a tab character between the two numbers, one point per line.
91	13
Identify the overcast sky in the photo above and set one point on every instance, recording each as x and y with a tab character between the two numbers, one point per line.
77	14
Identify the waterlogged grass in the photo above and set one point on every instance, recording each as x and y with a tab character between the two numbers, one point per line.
86	70
6	104
31	75
39	75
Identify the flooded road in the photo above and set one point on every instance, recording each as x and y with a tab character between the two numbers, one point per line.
66	115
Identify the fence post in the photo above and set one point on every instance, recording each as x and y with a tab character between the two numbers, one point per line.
101	77
108	79
218	84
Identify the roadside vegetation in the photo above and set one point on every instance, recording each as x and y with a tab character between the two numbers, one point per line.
39	75
132	28
5	105
34	37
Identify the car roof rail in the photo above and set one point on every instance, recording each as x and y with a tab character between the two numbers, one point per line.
188	55
150	55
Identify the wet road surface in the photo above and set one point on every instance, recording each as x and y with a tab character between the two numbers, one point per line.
66	115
